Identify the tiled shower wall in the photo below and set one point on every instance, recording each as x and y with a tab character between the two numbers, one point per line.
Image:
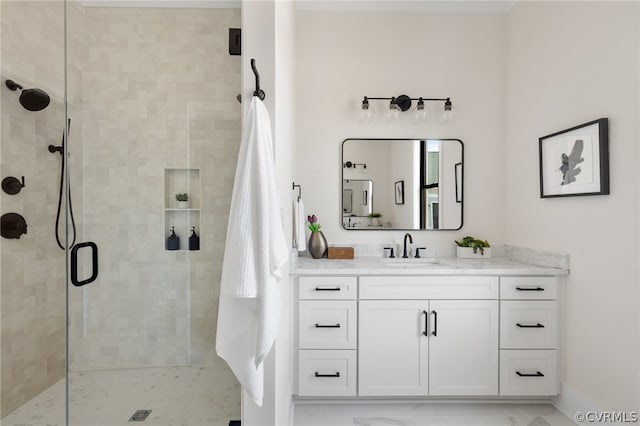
159	91
32	283
148	89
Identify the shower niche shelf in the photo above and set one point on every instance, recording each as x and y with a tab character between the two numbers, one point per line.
178	181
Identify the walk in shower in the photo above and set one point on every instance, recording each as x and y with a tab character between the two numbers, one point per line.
140	106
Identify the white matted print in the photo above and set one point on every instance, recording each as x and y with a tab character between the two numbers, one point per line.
575	161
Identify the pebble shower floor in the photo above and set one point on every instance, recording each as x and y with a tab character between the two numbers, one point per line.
176	396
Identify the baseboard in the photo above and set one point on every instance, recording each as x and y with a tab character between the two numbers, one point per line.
570	402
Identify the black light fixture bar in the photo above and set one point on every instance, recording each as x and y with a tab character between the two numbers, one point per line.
403	102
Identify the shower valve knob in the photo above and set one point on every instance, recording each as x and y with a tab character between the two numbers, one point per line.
12	185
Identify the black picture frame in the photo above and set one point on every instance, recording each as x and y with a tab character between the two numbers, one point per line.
575	162
399	192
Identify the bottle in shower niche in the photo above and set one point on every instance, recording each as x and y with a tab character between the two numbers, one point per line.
194	240
173	242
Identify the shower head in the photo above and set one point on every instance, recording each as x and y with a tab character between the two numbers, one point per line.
31	99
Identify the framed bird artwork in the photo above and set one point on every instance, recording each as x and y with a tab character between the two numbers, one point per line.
575	162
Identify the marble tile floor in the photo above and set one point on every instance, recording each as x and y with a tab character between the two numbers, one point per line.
177	396
430	414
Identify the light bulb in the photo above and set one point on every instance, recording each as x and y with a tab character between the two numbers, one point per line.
393	111
365	111
447	114
421	111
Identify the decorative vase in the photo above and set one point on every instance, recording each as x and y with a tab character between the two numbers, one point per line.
317	245
375	221
183	204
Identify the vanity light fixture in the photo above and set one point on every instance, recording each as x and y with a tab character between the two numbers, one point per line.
403	103
349	165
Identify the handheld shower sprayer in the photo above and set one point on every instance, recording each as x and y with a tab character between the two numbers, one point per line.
53	149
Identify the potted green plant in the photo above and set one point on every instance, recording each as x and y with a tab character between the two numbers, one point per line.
183	200
473	248
375	218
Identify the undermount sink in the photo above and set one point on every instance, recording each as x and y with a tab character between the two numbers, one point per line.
412	261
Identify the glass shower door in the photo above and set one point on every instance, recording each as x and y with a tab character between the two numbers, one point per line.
151	152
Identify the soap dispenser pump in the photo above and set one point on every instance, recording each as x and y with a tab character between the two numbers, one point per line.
194	240
173	242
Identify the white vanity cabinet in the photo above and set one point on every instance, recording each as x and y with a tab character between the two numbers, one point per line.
528	336
437	343
327	336
427	335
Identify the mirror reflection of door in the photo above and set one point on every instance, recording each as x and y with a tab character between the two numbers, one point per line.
357	197
430	164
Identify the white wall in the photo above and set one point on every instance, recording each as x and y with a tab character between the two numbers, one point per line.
343	56
268	30
569	63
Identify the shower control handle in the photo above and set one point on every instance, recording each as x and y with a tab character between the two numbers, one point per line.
11	185
74	263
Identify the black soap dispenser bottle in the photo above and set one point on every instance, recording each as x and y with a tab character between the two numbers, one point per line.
194	240
173	242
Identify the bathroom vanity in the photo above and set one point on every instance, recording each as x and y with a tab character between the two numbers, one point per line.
456	328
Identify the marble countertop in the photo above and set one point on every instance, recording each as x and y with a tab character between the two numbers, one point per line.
440	266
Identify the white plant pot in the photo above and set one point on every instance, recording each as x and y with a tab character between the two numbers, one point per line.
183	204
467	253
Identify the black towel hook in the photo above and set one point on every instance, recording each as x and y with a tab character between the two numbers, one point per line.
258	92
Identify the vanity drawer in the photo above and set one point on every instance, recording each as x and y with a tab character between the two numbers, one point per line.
417	287
528	372
528	325
328	288
528	288
327	373
328	324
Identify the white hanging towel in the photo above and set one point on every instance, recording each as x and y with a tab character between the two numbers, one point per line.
300	220
254	256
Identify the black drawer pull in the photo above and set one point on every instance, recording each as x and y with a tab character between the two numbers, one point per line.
327	325
529	289
538	325
327	375
328	289
536	374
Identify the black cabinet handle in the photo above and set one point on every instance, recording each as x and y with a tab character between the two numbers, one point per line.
426	323
538	325
327	375
327	288
529	289
74	263
327	325
435	324
536	374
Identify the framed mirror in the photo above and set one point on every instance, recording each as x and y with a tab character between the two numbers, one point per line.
402	184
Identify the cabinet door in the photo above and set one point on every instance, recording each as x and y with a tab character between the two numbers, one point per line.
463	347
393	350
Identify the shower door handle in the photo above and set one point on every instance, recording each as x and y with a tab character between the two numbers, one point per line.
74	263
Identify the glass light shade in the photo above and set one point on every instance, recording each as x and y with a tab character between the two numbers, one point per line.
392	112
365	112
447	117
421	113
365	115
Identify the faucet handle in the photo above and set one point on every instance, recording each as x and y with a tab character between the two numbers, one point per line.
418	251
391	255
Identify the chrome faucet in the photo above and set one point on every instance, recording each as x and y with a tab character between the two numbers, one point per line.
404	252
